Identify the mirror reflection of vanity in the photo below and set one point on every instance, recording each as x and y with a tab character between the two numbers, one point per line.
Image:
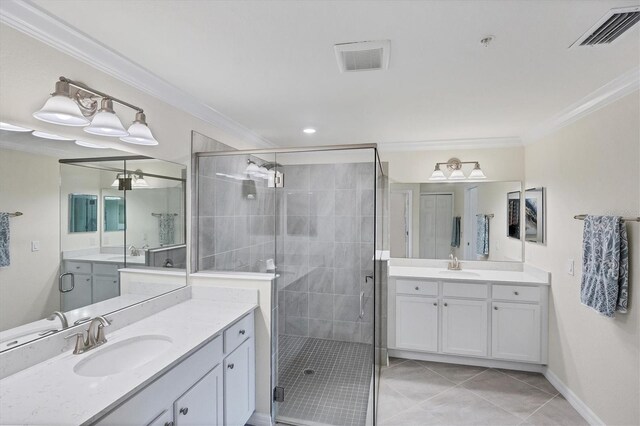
87	214
473	221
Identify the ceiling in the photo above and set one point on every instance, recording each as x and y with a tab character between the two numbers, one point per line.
270	65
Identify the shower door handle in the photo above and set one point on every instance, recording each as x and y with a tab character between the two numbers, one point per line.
60	279
361	305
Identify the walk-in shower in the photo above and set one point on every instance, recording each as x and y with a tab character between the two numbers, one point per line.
314	218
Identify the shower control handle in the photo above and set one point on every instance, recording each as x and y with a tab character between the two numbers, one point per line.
241	332
184	411
230	366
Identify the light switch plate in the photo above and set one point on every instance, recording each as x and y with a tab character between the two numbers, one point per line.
35	245
570	267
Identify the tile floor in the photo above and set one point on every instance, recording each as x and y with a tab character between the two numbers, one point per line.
338	391
427	393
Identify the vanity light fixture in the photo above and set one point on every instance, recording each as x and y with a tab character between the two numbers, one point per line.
455	166
45	135
138	179
130	180
12	128
76	104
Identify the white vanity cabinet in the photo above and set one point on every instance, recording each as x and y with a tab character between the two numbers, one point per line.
214	386
454	321
94	282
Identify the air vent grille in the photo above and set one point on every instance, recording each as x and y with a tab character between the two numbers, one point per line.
362	55
615	23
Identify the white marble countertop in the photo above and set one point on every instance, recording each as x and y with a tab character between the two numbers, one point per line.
51	393
108	258
479	275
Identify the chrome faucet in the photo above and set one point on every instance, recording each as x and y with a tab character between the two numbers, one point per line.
94	336
133	251
454	264
61	316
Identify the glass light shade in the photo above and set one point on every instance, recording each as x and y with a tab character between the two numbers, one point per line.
116	183
12	128
90	145
252	169
457	175
60	109
139	134
477	173
106	123
45	135
139	182
438	175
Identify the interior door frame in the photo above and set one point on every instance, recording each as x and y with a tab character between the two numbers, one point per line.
453	204
408	219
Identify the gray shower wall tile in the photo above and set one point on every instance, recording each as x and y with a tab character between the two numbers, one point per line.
346	308
367	226
296	304
321	254
366	256
347	281
297	203
321	329
321	306
296	177
296	326
322	228
346	202
207	196
242	226
346	331
321	177
321	280
366	174
346	175
298	226
346	255
365	202
322	203
205	242
223	229
347	229
225	195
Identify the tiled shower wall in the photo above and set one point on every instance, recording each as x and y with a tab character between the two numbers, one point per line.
235	233
325	247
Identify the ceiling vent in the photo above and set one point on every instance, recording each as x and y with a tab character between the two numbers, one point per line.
610	27
363	55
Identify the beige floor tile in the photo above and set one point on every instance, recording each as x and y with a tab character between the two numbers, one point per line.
390	402
534	379
459	406
508	393
414	381
395	361
454	372
557	412
410	417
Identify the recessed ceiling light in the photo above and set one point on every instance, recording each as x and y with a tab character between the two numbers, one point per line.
12	128
309	130
46	135
90	145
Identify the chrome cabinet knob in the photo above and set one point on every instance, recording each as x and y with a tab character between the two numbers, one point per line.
184	410
516	293
495	307
417	288
242	332
435	303
446	304
230	366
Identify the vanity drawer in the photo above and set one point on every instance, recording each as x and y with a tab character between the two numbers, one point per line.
238	333
516	293
78	267
423	288
466	290
106	269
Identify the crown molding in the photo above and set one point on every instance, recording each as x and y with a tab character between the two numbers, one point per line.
616	89
445	144
26	17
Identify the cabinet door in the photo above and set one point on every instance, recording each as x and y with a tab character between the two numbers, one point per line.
464	327
105	288
515	331
80	295
202	403
239	385
164	419
417	323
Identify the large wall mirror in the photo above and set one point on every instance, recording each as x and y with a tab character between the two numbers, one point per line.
87	214
469	220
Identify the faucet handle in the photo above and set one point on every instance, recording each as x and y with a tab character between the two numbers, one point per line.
81	343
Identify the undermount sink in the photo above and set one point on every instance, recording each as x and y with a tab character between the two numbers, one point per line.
122	356
460	273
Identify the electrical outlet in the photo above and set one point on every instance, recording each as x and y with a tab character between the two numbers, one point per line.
570	267
35	245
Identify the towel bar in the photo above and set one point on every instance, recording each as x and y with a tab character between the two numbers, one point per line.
15	214
624	219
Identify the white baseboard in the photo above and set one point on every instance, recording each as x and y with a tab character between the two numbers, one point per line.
457	359
573	399
260	419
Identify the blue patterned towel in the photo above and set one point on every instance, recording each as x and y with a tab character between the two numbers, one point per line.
5	259
455	232
605	265
482	240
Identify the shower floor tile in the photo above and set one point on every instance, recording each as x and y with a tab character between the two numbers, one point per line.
337	393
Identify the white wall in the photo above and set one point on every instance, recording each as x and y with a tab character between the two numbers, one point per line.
591	166
29	287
